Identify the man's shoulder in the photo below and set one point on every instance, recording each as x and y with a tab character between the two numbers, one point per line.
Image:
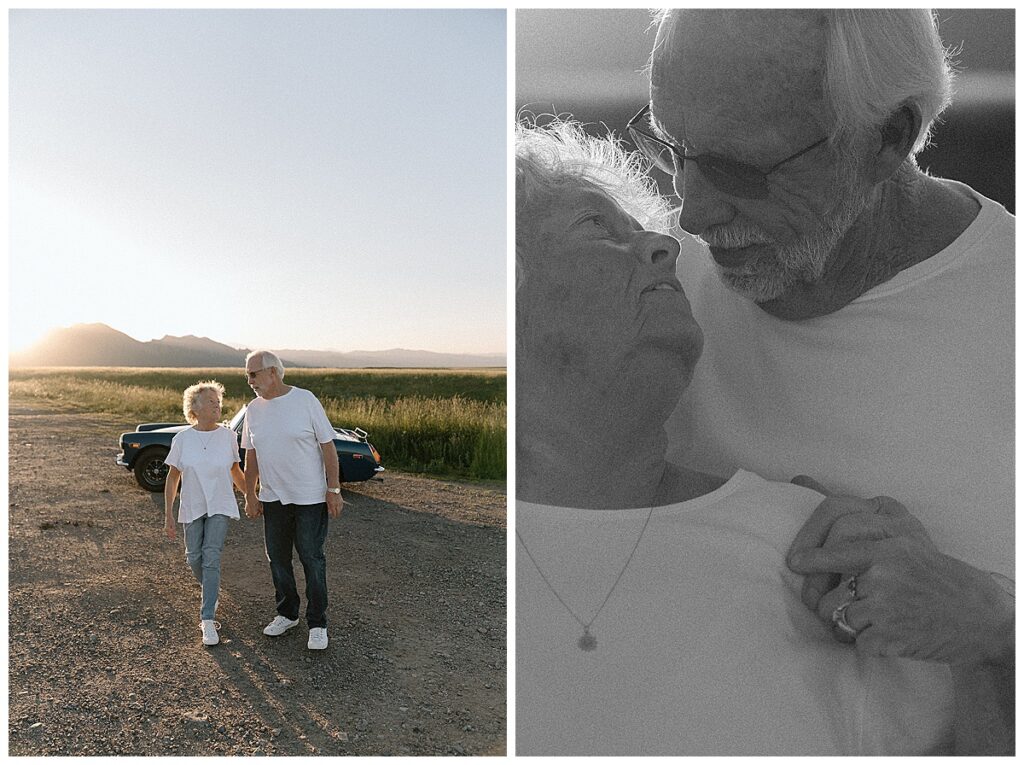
993	218
987	246
256	405
303	396
308	397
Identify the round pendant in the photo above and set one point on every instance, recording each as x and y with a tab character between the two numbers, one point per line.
587	642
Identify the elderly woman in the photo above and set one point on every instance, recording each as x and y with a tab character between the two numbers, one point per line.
204	461
655	614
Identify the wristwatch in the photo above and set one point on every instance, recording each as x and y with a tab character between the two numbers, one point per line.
333	491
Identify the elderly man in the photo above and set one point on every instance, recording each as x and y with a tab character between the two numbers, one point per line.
859	321
290	452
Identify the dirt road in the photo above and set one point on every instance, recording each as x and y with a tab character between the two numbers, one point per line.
105	650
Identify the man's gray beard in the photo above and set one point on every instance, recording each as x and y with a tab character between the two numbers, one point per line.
802	261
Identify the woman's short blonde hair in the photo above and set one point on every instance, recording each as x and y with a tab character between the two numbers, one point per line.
188	398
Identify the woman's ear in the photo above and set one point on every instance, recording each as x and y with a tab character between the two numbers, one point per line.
897	136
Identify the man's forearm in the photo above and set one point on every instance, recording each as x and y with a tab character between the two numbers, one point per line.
331	468
252	475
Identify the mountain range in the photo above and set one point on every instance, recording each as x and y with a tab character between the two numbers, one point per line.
97	345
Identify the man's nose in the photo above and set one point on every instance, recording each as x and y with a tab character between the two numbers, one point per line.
660	250
703	205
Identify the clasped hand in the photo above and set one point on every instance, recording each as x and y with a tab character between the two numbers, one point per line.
911	600
253	507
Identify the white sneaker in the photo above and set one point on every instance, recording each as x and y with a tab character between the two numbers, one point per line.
317	639
279	626
209	628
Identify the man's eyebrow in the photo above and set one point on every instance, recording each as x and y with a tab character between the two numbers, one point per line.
728	149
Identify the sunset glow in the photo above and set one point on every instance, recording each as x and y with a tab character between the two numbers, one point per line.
327	179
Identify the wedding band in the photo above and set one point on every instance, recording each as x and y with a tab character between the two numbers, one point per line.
839	619
851	586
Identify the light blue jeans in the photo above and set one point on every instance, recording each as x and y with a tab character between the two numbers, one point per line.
204	540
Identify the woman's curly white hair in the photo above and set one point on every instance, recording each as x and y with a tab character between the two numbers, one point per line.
188	398
558	155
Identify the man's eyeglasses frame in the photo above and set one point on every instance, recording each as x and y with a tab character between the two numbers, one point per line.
731	176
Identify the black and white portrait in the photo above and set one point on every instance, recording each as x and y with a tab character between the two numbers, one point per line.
764	382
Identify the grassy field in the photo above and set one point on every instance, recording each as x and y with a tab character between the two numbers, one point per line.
441	422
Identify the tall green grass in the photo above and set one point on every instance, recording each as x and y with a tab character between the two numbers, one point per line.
390	384
431	435
419	421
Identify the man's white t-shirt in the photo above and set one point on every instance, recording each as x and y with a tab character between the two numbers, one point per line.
205	460
704	647
907	391
286	432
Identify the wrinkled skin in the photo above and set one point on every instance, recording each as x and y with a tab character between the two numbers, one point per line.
914	602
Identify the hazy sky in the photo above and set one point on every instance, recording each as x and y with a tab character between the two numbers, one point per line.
327	179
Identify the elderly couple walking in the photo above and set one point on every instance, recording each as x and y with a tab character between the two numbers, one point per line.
290	454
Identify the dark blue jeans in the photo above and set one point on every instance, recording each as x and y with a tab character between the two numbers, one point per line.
303	527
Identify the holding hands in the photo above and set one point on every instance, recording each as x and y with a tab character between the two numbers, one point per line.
253	507
906	598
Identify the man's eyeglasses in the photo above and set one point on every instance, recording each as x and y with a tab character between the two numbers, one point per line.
249	375
732	177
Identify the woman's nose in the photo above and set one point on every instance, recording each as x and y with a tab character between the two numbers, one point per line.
661	250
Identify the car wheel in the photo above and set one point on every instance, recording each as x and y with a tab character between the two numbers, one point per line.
150	470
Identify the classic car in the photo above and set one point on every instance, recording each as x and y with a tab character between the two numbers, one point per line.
144	449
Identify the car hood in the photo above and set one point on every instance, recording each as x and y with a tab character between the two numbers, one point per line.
342	434
168	429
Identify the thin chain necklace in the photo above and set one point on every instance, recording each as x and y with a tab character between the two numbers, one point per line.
587	641
209	439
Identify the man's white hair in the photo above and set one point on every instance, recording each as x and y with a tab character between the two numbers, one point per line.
188	398
559	156
267	359
877	60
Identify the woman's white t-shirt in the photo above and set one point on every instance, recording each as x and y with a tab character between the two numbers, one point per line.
205	459
704	647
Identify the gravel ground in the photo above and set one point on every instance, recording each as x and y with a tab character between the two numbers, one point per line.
105	653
